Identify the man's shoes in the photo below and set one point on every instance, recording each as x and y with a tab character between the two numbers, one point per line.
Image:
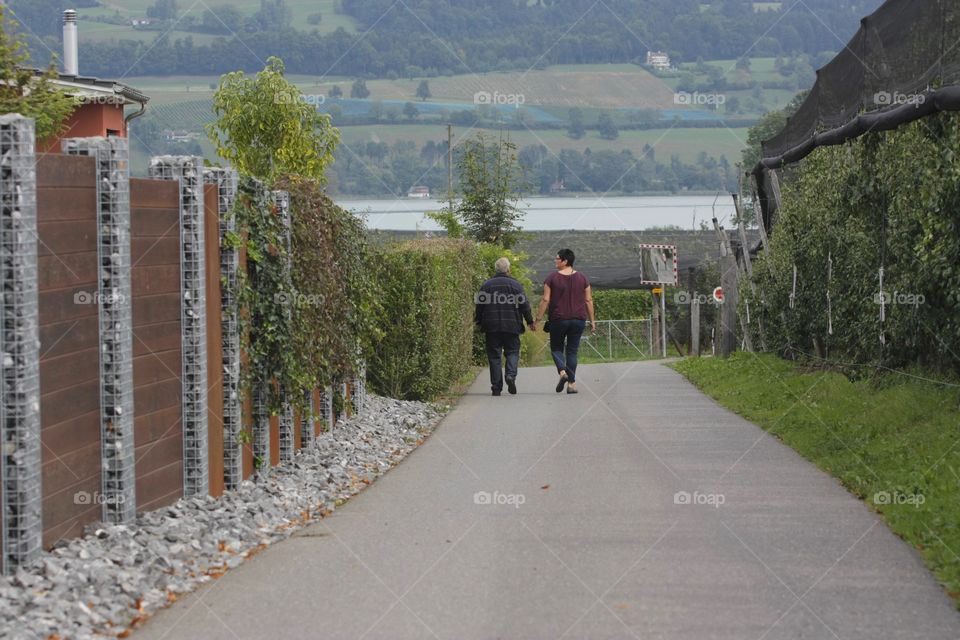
572	388
563	381
512	385
496	394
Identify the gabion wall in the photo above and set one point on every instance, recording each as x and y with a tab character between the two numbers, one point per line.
188	171
20	458
226	182
326	407
114	305
281	200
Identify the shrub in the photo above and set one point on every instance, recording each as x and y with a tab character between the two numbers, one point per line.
886	200
621	304
426	292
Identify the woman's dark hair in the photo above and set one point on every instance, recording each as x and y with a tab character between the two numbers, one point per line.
566	255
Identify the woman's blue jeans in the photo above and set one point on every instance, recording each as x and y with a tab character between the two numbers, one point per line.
565	343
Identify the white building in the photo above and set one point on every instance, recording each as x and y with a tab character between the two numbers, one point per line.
658	60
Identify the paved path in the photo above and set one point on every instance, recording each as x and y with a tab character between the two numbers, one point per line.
598	548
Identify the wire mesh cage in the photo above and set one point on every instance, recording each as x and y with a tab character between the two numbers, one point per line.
20	458
188	171
226	181
326	408
114	309
307	419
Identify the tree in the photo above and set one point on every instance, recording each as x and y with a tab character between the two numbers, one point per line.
491	182
163	10
222	19
335	91
410	110
359	89
265	130
608	130
25	92
274	15
423	90
576	129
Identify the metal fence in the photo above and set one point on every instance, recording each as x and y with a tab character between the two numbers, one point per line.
618	340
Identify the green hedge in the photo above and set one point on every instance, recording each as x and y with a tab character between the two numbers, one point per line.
426	289
621	304
888	199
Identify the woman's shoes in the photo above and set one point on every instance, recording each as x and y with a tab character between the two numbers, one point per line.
572	388
563	381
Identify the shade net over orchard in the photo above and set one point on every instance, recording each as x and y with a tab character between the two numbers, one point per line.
903	64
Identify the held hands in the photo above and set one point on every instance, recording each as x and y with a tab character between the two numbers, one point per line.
593	326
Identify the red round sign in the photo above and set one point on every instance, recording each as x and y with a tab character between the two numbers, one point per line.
718	294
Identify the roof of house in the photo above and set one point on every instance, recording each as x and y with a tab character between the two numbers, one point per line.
90	86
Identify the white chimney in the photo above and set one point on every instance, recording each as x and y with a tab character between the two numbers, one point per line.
70	55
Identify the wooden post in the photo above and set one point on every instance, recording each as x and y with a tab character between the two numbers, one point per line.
656	343
694	349
691	294
728	311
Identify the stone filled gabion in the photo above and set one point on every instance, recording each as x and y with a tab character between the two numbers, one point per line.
226	181
188	172
115	314
20	457
118	574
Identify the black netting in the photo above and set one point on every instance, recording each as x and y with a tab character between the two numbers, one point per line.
903	64
902	54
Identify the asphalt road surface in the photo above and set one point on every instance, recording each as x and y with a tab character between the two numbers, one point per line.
638	508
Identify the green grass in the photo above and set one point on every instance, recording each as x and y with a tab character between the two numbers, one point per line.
890	435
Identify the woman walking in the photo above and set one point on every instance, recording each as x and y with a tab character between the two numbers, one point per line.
566	293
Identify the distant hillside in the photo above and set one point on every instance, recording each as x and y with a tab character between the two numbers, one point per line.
430	37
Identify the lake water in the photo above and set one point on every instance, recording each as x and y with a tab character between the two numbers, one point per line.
584	213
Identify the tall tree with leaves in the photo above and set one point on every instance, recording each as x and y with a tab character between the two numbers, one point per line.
491	184
359	89
25	92
266	130
423	90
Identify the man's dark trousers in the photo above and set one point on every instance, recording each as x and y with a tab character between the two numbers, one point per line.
509	343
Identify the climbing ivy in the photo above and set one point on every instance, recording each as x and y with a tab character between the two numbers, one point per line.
309	316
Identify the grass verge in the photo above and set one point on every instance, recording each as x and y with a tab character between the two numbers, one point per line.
892	440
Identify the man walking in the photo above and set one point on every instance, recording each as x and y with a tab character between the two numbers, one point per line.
501	309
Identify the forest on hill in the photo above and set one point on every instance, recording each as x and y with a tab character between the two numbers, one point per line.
443	37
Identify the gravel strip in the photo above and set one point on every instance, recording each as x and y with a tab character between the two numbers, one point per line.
116	576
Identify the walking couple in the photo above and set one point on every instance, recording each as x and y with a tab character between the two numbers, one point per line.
502	308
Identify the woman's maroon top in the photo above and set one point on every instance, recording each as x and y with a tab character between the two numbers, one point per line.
568	296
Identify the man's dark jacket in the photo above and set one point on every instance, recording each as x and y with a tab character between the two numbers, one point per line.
502	306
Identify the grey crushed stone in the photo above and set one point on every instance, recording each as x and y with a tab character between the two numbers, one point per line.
116	575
